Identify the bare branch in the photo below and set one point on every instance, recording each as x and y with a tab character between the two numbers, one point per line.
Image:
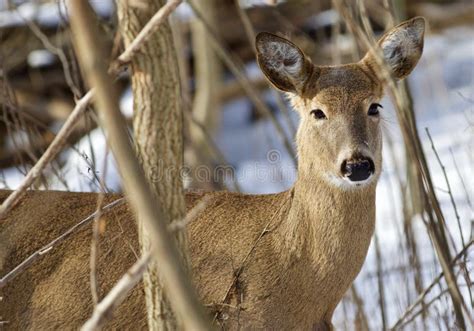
95	233
118	293
55	50
56	146
237	273
458	218
151	27
235	66
91	57
114	298
190	216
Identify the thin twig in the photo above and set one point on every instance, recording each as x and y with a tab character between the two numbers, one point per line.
48	247
428	289
55	50
250	33
235	66
95	253
448	185
190	216
96	234
380	281
466	192
240	269
117	294
362	322
53	149
248	27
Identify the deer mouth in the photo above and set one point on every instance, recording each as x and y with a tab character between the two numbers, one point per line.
357	169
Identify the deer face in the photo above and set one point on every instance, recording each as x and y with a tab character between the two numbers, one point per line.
339	138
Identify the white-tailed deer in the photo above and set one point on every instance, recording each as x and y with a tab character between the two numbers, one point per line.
276	261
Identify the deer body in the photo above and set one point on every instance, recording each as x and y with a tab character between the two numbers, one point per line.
276	261
285	273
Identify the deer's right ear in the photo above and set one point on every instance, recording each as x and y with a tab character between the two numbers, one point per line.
282	62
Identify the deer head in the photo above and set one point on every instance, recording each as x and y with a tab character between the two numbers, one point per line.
339	138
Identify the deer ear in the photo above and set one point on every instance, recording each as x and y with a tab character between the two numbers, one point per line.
282	62
402	47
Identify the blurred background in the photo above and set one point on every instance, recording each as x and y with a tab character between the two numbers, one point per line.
239	131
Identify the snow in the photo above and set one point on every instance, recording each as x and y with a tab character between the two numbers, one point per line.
126	103
85	166
40	58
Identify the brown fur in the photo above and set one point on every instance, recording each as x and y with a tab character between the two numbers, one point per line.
276	261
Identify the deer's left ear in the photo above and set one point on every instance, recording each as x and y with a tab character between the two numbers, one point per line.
402	47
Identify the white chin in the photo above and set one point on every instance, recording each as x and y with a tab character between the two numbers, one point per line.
346	184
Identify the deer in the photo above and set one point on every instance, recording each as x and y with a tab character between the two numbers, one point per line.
273	261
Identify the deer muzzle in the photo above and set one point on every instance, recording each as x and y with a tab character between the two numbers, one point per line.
357	169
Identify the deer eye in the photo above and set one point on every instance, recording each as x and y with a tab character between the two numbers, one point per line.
374	109
318	114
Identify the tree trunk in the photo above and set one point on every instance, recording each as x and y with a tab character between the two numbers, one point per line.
157	125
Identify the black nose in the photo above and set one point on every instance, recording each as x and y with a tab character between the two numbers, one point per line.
358	169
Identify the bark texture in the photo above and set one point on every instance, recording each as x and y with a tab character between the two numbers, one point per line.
157	127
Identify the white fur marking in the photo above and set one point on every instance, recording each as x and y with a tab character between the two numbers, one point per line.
278	53
346	184
403	43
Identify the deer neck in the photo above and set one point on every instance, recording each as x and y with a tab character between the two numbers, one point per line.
324	220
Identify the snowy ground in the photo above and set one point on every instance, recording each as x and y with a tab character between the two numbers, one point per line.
443	90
